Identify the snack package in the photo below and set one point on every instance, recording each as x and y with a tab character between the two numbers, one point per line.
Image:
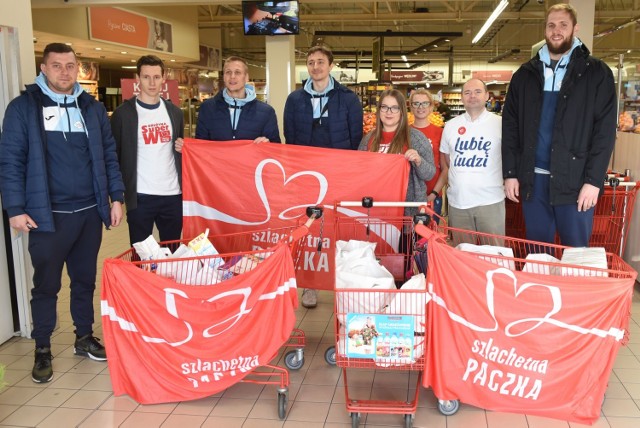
149	249
203	247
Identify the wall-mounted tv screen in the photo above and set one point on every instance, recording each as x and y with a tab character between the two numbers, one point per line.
270	17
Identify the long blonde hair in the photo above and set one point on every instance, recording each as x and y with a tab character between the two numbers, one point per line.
401	141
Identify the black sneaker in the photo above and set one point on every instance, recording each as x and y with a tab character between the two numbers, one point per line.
42	369
88	346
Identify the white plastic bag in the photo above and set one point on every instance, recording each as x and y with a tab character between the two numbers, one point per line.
593	257
491	250
412	302
149	249
357	269
540	268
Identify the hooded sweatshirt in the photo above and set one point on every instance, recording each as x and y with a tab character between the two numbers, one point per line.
236	104
319	100
68	159
553	73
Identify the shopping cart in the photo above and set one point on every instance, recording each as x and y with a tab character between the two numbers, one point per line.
239	254
457	330
611	219
382	329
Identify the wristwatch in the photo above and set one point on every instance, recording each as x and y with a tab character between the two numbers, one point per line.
433	192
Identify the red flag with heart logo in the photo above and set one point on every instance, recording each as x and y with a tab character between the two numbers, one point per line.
512	341
169	342
238	186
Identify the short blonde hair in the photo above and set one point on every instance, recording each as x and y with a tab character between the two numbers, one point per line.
563	7
421	91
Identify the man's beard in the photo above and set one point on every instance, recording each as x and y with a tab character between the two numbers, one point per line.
562	48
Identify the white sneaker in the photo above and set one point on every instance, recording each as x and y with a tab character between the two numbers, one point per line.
309	298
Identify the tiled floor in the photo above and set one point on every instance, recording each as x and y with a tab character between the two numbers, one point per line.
80	394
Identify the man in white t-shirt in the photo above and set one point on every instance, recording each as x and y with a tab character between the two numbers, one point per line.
148	132
471	148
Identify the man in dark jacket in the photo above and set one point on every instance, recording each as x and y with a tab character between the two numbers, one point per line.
148	132
558	132
58	170
323	113
235	113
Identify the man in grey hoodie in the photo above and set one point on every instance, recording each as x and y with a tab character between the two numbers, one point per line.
60	180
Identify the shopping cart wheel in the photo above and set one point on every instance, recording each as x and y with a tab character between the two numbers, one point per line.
282	405
355	420
292	362
408	421
330	355
448	407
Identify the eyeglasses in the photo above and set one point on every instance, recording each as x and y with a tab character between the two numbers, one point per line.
392	109
421	104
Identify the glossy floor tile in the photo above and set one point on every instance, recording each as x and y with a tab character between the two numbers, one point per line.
80	394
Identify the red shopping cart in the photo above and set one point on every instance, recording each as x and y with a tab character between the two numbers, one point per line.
611	219
234	310
379	328
514	326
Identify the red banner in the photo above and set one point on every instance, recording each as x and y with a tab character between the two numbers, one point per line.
169	342
518	342
237	186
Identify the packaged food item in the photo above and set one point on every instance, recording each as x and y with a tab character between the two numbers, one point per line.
149	249
203	247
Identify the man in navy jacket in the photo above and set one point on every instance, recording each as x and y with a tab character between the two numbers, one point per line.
58	173
558	132
322	113
235	113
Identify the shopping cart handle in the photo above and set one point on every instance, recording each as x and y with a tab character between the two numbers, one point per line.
421	219
315	212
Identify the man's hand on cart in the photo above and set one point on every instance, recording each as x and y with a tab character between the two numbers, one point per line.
512	189
588	197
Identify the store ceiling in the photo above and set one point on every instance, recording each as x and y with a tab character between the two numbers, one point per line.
509	41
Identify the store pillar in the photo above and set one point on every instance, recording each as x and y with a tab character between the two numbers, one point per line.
586	15
281	62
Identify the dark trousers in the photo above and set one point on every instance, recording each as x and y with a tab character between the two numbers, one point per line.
76	242
543	219
164	211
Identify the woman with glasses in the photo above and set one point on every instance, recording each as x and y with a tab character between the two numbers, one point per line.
393	135
421	104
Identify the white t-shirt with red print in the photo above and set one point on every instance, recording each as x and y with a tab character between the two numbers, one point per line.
156	164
